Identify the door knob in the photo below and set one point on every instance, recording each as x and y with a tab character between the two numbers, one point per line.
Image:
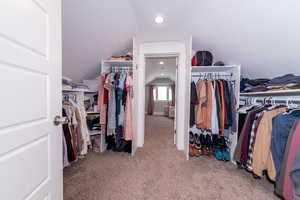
58	120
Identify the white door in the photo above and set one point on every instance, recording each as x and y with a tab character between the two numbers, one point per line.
135	135
176	92
30	86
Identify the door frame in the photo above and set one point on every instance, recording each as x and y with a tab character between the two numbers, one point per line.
158	49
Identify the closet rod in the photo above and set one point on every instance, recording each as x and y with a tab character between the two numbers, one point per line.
270	100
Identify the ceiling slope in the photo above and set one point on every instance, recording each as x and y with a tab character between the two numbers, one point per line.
94	30
262	36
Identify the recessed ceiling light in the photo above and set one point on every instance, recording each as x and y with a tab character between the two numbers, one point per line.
161	62
159	19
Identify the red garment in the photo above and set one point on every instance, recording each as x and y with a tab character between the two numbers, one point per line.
222	128
105	97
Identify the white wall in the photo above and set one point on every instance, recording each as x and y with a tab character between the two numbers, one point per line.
159	48
261	35
94	30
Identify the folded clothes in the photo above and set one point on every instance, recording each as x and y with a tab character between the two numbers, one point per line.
81	87
286	82
288	78
66	87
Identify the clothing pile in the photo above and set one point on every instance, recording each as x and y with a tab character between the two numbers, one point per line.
115	107
93	122
128	56
68	84
288	81
213	114
90	102
270	141
76	136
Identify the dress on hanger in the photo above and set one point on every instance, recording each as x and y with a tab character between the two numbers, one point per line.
128	132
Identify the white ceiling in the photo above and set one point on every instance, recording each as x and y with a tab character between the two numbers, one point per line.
262	36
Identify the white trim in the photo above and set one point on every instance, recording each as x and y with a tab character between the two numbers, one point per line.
176	49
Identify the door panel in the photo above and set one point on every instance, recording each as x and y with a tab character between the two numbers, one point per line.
29	18
30	85
12	80
34	159
135	79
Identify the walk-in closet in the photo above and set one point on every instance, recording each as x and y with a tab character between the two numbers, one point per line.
156	100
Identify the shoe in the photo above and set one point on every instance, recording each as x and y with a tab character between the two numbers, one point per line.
226	155
192	139
218	154
202	141
191	151
209	146
196	152
198	144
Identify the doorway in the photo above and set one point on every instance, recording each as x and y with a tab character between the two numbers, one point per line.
160	87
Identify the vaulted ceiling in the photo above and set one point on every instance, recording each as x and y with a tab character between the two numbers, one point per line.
262	36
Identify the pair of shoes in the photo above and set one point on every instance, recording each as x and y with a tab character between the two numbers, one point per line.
193	146
222	154
198	144
209	143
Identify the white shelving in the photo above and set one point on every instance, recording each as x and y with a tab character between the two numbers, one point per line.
235	70
92	113
272	92
75	90
95	132
106	65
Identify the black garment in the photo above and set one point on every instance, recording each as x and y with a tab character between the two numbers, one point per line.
228	108
68	137
218	102
93	124
119	136
194	101
242	119
247	134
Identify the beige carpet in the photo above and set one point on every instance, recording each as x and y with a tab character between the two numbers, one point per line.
159	172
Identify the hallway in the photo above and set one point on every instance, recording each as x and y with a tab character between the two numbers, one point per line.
159	172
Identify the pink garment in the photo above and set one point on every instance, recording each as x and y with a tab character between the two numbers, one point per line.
101	105
128	132
288	188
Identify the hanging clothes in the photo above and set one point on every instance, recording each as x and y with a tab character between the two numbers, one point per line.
101	104
270	141
111	111
214	105
128	133
202	100
214	114
76	135
68	137
284	186
193	103
117	126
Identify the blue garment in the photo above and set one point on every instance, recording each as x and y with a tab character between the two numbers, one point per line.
281	126
122	81
295	174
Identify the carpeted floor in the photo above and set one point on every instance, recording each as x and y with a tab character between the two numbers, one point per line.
159	172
